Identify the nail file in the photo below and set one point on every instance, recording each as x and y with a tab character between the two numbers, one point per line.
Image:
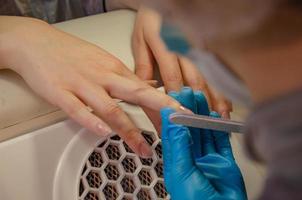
206	122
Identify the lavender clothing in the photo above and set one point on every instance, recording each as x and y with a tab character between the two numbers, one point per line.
274	136
51	11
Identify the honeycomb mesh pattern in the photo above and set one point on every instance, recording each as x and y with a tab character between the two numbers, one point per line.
112	171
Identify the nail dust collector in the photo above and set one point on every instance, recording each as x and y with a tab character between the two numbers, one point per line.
66	162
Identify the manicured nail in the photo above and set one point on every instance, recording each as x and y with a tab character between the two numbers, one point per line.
185	110
226	115
145	150
104	130
153	83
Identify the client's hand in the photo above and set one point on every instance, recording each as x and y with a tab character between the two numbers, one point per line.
73	74
175	70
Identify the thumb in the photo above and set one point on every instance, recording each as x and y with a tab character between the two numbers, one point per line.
181	147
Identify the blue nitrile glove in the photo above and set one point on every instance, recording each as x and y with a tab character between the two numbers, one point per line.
197	103
213	175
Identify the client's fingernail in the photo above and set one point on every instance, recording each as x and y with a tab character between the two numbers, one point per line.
185	110
105	130
145	151
153	83
226	115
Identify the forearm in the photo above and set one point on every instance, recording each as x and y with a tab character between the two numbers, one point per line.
14	32
7	25
120	4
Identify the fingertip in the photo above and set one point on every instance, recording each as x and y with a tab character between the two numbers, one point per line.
187	98
225	115
186	89
199	94
202	103
222	107
145	150
152	83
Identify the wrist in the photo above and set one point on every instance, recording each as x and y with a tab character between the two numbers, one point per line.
15	39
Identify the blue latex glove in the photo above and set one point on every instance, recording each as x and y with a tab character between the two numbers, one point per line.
198	164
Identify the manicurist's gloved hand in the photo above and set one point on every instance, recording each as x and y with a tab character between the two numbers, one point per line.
198	163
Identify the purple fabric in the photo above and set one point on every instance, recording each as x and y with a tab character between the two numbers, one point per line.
51	11
92	7
8	7
274	136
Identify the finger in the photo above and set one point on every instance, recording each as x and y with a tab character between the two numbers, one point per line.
222	141
98	69
168	63
207	139
187	99
105	107
137	92
176	140
193	78
167	154
220	104
79	112
202	103
154	117
143	57
181	147
152	83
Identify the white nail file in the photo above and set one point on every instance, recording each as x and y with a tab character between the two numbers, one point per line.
206	122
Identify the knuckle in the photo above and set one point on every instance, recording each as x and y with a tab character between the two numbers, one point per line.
222	107
132	135
199	84
112	109
172	103
174	77
74	111
138	39
77	84
115	66
140	91
134	138
143	67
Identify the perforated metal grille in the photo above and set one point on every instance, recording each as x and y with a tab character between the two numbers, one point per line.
112	171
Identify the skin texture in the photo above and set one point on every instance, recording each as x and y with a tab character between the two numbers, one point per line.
198	163
85	76
263	52
95	77
175	71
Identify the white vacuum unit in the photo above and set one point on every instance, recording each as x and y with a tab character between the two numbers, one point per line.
93	168
66	162
113	171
